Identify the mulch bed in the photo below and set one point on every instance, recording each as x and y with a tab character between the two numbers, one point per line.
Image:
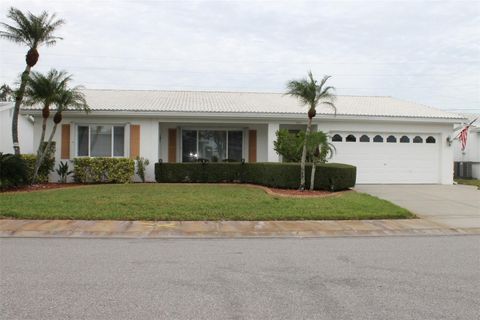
302	194
42	186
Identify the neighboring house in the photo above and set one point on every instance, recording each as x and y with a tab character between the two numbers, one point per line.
389	140
467	162
25	130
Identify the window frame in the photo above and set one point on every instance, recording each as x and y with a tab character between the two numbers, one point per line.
351	135
394	138
366	136
339	135
112	133
197	129
415	138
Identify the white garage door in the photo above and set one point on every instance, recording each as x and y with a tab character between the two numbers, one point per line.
390	158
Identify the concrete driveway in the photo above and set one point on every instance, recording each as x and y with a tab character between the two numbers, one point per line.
455	206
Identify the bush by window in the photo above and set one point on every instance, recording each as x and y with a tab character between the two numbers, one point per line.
417	139
103	170
350	138
430	139
337	138
391	139
364	138
404	139
378	138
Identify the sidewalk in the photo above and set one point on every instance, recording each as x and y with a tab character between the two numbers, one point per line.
223	229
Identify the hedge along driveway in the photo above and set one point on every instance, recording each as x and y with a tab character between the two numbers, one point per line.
190	202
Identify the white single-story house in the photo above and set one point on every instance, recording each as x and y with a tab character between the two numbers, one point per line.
25	129
389	140
467	161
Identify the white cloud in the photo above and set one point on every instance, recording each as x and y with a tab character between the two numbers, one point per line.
425	51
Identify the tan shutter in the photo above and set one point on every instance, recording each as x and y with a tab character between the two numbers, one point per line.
252	146
134	141
172	145
65	146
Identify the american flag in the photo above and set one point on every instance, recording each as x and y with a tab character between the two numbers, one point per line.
462	136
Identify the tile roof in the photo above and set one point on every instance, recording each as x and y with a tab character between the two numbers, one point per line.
250	102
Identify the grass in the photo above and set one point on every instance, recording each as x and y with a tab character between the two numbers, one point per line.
471	182
189	202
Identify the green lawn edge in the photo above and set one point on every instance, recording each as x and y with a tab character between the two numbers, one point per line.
190	202
470	182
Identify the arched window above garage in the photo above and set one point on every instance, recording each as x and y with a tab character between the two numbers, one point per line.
350	138
378	138
404	139
430	139
391	139
364	138
417	139
337	138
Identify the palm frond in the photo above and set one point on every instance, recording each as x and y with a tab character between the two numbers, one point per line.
32	30
46	88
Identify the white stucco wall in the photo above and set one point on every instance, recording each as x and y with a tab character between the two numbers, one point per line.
25	130
154	136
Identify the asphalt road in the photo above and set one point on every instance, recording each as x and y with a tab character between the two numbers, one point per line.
327	278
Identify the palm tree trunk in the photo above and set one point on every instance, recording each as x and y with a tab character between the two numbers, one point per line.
304	156
44	153
40	150
16	109
312	176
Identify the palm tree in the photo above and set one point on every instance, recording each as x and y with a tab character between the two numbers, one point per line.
32	31
319	150
68	98
310	93
45	90
6	92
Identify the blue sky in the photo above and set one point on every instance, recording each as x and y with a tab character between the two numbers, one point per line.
422	51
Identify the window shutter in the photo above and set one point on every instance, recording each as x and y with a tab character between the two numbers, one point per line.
65	146
172	145
252	145
134	141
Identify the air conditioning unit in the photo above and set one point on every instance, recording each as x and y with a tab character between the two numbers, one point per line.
462	169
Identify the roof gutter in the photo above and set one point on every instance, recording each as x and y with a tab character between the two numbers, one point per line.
248	116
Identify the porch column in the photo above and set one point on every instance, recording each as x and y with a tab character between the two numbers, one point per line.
272	155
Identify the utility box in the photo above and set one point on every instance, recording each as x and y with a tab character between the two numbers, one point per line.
463	169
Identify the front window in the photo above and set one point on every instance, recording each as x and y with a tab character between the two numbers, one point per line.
212	145
101	141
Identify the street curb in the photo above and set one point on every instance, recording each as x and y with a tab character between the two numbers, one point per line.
224	229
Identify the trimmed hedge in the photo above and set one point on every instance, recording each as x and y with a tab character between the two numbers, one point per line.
103	170
329	176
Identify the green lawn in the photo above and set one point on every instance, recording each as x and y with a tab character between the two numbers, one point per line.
471	182
189	202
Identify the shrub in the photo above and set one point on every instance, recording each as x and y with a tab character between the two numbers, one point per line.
13	171
63	171
142	163
47	166
289	145
329	176
103	170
